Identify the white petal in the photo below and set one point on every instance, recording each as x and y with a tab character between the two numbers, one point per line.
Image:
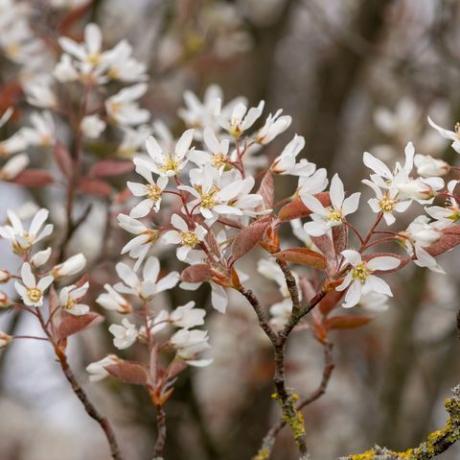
383	263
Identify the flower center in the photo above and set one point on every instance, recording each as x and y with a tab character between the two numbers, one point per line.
455	216
387	204
34	294
94	59
152	235
235	129
360	272
189	239
219	159
153	192
334	215
207	200
170	164
69	304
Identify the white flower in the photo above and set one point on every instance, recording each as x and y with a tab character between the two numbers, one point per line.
138	247
241	119
210	199
42	132
69	298
123	108
386	202
152	191
374	301
5	339
324	218
420	234
285	163
97	369
187	317
313	184
14	144
14	166
427	166
451	135
186	238
70	266
32	292
446	215
112	300
189	344
92	126
39	93
5	276
22	240
122	66
40	258
65	71
124	335
6	116
360	280
273	127
219	154
133	140
169	163
149	285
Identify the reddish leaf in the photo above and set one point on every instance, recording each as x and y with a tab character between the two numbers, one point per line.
448	241
340	238
248	238
196	273
296	208
128	372
346	322
330	301
107	168
94	187
34	178
71	324
303	256
266	190
123	196
63	159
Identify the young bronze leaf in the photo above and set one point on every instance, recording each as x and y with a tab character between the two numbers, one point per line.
266	190
346	322
196	273
448	241
248	238
94	187
34	178
71	324
128	372
107	168
330	301
303	256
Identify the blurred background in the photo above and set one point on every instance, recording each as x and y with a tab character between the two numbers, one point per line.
355	75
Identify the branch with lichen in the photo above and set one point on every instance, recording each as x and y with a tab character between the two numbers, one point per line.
435	444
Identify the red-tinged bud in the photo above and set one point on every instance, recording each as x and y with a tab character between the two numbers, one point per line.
5	276
5	339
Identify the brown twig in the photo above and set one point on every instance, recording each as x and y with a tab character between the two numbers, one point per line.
158	450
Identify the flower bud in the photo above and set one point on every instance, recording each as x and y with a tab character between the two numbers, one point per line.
5	276
41	257
71	266
5	302
5	339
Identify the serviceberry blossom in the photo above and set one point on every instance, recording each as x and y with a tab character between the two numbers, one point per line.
186	238
218	155
326	217
453	136
22	240
31	292
71	266
69	299
14	166
125	334
427	166
123	108
97	371
448	214
241	119
149	285
420	234
92	126
152	192
274	125
42	132
112	300
138	247
190	343
168	163
286	163
185	316
360	279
